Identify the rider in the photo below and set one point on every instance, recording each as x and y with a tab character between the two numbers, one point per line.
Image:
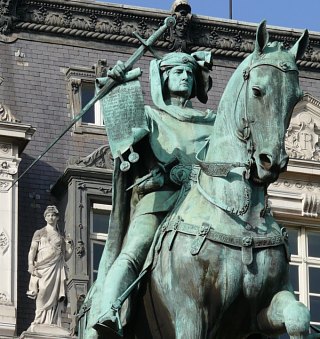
176	132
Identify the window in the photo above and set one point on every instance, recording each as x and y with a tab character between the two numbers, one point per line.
81	87
94	115
305	269
99	223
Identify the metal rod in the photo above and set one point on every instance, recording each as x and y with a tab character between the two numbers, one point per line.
230	9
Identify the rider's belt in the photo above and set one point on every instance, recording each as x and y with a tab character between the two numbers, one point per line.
246	242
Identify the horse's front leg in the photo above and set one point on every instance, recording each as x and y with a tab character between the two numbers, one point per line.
189	322
285	313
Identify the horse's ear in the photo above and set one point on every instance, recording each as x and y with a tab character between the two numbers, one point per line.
300	46
262	36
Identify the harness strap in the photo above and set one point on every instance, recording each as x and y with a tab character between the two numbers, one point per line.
245	242
216	169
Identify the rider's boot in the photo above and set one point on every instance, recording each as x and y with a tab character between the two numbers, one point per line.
108	324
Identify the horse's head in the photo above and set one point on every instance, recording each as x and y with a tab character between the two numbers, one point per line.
269	92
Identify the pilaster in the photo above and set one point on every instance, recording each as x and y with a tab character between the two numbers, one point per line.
13	139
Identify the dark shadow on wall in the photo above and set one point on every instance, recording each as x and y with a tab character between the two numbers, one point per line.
34	196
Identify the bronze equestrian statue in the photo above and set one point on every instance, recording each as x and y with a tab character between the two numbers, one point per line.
218	263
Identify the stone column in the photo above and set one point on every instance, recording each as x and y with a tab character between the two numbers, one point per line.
13	139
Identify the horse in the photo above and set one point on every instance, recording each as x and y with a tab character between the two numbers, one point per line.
221	262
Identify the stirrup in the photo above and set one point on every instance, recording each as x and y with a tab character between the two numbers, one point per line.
116	326
111	324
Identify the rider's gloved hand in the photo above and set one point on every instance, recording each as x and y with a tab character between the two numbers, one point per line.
156	181
118	72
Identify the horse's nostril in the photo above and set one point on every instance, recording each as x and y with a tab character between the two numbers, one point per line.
265	161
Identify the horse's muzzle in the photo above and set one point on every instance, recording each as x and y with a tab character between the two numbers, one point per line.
267	162
269	167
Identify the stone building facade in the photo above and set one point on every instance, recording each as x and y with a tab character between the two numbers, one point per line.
50	53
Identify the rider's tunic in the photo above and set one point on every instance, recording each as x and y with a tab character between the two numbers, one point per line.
171	140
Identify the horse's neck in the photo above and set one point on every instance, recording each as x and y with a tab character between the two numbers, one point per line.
224	146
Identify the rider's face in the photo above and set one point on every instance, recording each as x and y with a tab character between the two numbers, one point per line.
180	81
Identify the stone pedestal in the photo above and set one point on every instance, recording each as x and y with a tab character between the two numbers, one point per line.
13	139
47	332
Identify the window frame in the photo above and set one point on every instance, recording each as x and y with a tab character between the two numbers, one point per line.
76	76
303	261
95	237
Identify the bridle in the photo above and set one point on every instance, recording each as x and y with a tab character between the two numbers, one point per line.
222	169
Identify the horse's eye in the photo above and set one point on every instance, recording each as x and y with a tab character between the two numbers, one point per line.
256	91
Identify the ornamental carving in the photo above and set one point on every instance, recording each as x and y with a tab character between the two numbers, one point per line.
302	143
311	205
80	249
5	148
297	186
6	115
7	15
118	24
75	85
81	23
4	242
180	34
39	15
302	137
4	185
55	19
4	298
7	169
100	158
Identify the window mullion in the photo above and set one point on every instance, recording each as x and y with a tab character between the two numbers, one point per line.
304	269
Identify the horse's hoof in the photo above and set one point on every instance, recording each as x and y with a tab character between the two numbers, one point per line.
297	320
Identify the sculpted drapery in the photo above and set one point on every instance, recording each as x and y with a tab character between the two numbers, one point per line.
47	256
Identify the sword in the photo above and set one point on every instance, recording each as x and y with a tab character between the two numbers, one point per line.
110	83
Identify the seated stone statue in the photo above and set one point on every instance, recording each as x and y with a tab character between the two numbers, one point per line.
47	256
176	131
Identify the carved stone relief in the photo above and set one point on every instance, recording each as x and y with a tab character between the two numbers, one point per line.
311	205
4	185
5	149
7	15
298	186
100	158
180	33
4	242
118	24
304	195
7	169
302	137
6	115
4	298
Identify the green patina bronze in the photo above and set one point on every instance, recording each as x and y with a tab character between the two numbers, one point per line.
195	200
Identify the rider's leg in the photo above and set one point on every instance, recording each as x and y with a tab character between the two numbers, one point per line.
128	264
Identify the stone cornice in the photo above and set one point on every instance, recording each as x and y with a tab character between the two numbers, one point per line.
309	98
92	21
20	133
